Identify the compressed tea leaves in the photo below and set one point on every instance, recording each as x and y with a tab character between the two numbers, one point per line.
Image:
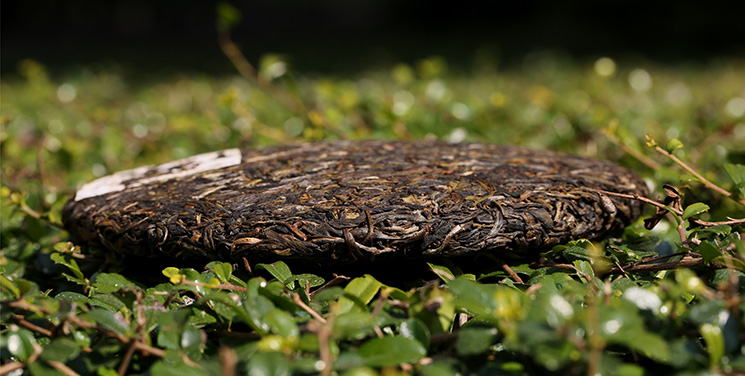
350	201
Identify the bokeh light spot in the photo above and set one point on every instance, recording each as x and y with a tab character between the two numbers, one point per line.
139	130
640	80
66	93
678	94
294	126
457	135
736	107
461	111
605	67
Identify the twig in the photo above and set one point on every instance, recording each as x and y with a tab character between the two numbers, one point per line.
324	335
511	273
22	322
230	286
649	162
59	366
685	262
619	267
296	299
247	70
731	221
138	344
10	367
127	358
228	360
698	176
337	280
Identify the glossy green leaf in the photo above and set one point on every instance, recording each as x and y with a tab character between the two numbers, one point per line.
584	270
737	173
473	296
391	351
673	144
191	341
417	330
255	307
443	272
353	325
309	280
109	282
20	343
269	364
109	320
175	368
709	251
278	270
358	293
73	297
7	284
69	262
61	350
694	209
107	301
474	340
714	339
281	323
223	270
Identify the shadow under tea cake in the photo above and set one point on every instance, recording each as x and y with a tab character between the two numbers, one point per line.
351	201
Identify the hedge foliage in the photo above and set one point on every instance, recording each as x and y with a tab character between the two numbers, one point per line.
660	301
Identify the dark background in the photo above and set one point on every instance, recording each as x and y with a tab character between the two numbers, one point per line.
348	35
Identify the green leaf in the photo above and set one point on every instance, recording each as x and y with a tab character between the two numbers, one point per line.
443	272
223	270
105	283
475	340
473	296
281	323
358	293
21	344
109	320
280	271
714	339
391	351
720	230
174	368
69	262
311	280
269	364
107	301
737	173
227	16
170	272
695	209
256	307
709	251
353	325
673	145
60	349
415	329
584	270
7	284
191	341
73	297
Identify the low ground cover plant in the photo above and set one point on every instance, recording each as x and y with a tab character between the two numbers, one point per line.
664	296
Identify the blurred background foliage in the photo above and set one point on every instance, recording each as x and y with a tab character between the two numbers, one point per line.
89	89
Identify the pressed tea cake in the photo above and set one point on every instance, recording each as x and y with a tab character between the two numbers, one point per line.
350	201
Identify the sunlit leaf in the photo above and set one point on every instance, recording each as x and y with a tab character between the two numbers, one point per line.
391	351
358	293
695	209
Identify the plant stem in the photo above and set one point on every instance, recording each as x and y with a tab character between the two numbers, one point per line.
698	176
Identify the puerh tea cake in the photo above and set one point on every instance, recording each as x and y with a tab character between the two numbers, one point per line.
350	201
